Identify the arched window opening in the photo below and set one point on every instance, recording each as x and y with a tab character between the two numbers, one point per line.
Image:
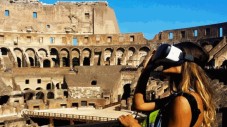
64	86
31	61
50	95
57	86
94	82
4	99
65	61
46	63
127	91
40	95
119	61
86	61
4	51
19	62
28	96
49	86
38	88
76	61
66	94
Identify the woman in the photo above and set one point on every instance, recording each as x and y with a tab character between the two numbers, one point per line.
183	63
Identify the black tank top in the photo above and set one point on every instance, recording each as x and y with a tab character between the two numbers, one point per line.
165	111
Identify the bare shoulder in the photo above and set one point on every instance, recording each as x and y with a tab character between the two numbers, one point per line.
180	103
180	112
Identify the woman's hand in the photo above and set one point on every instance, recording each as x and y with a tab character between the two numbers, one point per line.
128	121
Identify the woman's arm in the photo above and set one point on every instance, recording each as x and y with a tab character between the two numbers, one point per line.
180	114
141	105
140	91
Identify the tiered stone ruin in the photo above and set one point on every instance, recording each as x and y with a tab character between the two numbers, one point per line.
72	54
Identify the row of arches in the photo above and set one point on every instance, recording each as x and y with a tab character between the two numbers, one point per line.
65	57
31	95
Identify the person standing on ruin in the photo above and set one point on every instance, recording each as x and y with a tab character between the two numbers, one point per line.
186	77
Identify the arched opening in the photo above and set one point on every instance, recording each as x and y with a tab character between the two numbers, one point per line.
56	60
94	82
131	51
28	95
127	91
86	55
42	52
4	51
65	61
119	56
118	61
40	95
65	57
107	55
46	63
32	57
64	86
224	64
76	57
66	94
108	61
86	61
38	88
76	61
4	99
50	95
49	86
31	60
19	62
57	86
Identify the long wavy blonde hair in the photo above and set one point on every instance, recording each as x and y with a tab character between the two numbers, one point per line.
193	76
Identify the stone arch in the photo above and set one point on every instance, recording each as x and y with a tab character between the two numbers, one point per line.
64	54
28	94
42	52
75	57
19	62
20	59
31	56
66	94
126	91
32	61
46	63
4	99
4	50
107	55
58	86
40	95
39	88
56	60
49	86
50	95
143	51
119	56
224	64
131	51
86	53
64	86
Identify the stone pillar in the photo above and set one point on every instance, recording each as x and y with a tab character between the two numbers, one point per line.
92	57
102	58
51	122
61	61
71	122
113	58
70	59
81	59
124	57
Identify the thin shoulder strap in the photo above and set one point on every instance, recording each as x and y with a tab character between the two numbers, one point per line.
194	107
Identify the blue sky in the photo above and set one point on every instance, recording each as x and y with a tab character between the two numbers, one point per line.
153	16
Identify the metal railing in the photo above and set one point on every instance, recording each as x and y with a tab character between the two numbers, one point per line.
83	118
